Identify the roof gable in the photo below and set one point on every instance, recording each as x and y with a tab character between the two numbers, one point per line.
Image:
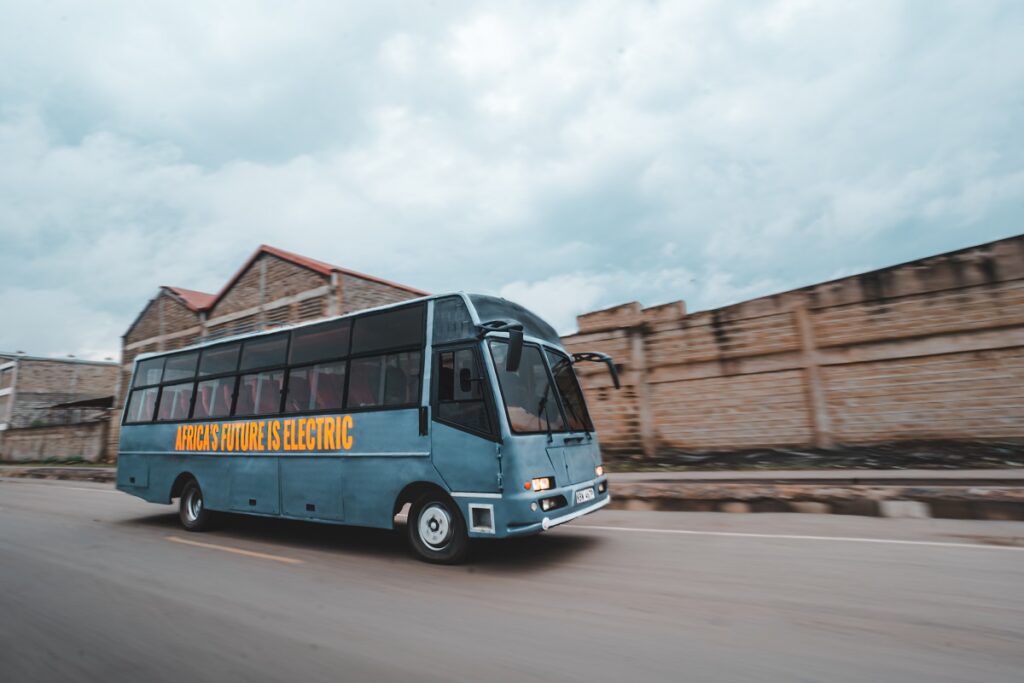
201	301
195	300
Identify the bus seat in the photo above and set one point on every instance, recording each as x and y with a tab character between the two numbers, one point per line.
298	394
246	400
203	410
360	392
395	387
270	395
181	406
329	389
225	395
149	405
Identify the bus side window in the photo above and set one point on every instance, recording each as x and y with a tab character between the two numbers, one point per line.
459	396
141	405
315	387
387	381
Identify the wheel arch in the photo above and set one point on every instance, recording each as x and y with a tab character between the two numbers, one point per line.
179	484
416	489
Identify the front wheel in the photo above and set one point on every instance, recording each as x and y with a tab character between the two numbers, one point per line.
437	531
192	509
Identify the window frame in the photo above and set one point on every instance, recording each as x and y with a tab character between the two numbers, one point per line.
195	394
486	394
286	367
588	421
160	399
156	405
547	369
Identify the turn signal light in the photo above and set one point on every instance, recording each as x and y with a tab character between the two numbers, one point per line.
599	470
540	484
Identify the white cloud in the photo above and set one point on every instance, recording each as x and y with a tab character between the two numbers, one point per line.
569	156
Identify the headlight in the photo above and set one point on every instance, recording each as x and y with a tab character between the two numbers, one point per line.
599	470
541	484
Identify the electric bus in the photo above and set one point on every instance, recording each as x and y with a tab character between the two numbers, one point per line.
465	407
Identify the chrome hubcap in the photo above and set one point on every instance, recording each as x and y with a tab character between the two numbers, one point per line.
435	526
193	505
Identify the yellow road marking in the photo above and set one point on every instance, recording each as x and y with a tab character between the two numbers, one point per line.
237	551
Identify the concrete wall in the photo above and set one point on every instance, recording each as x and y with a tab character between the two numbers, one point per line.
38	383
932	349
85	440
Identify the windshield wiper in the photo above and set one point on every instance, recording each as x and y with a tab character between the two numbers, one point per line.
542	410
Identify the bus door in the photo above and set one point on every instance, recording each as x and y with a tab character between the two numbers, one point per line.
464	429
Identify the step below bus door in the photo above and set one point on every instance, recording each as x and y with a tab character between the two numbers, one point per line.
463	425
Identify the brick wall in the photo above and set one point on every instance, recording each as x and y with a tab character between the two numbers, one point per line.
932	349
358	293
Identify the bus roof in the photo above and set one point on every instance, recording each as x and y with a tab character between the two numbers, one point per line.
468	298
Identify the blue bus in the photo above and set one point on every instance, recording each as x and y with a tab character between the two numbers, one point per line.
463	406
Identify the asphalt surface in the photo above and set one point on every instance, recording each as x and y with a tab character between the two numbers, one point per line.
1005	477
96	585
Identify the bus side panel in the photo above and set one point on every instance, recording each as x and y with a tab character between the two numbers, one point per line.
211	471
373	483
388	452
133	472
311	487
254	484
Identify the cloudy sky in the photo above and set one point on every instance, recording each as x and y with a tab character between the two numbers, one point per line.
568	156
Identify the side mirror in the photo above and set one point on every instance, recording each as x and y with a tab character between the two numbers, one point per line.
465	381
515	349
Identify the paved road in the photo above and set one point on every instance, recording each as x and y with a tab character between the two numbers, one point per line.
1005	477
96	585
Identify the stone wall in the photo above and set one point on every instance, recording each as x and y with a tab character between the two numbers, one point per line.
927	350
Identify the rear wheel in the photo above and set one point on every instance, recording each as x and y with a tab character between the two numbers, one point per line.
437	531
192	508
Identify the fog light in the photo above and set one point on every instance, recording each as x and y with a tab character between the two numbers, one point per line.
602	487
599	470
552	503
533	506
541	484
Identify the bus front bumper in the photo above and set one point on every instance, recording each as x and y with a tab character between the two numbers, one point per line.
558	516
549	522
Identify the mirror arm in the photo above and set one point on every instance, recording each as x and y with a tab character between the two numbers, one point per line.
597	357
515	339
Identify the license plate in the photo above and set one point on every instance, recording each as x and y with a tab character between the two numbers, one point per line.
583	495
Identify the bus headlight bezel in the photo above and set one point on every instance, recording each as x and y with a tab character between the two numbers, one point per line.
542	484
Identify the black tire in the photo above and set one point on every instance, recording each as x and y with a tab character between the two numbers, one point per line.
192	508
437	531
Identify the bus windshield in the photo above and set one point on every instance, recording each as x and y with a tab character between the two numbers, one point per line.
532	401
570	393
529	397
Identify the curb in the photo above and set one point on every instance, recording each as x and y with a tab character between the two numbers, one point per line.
103	475
947	502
